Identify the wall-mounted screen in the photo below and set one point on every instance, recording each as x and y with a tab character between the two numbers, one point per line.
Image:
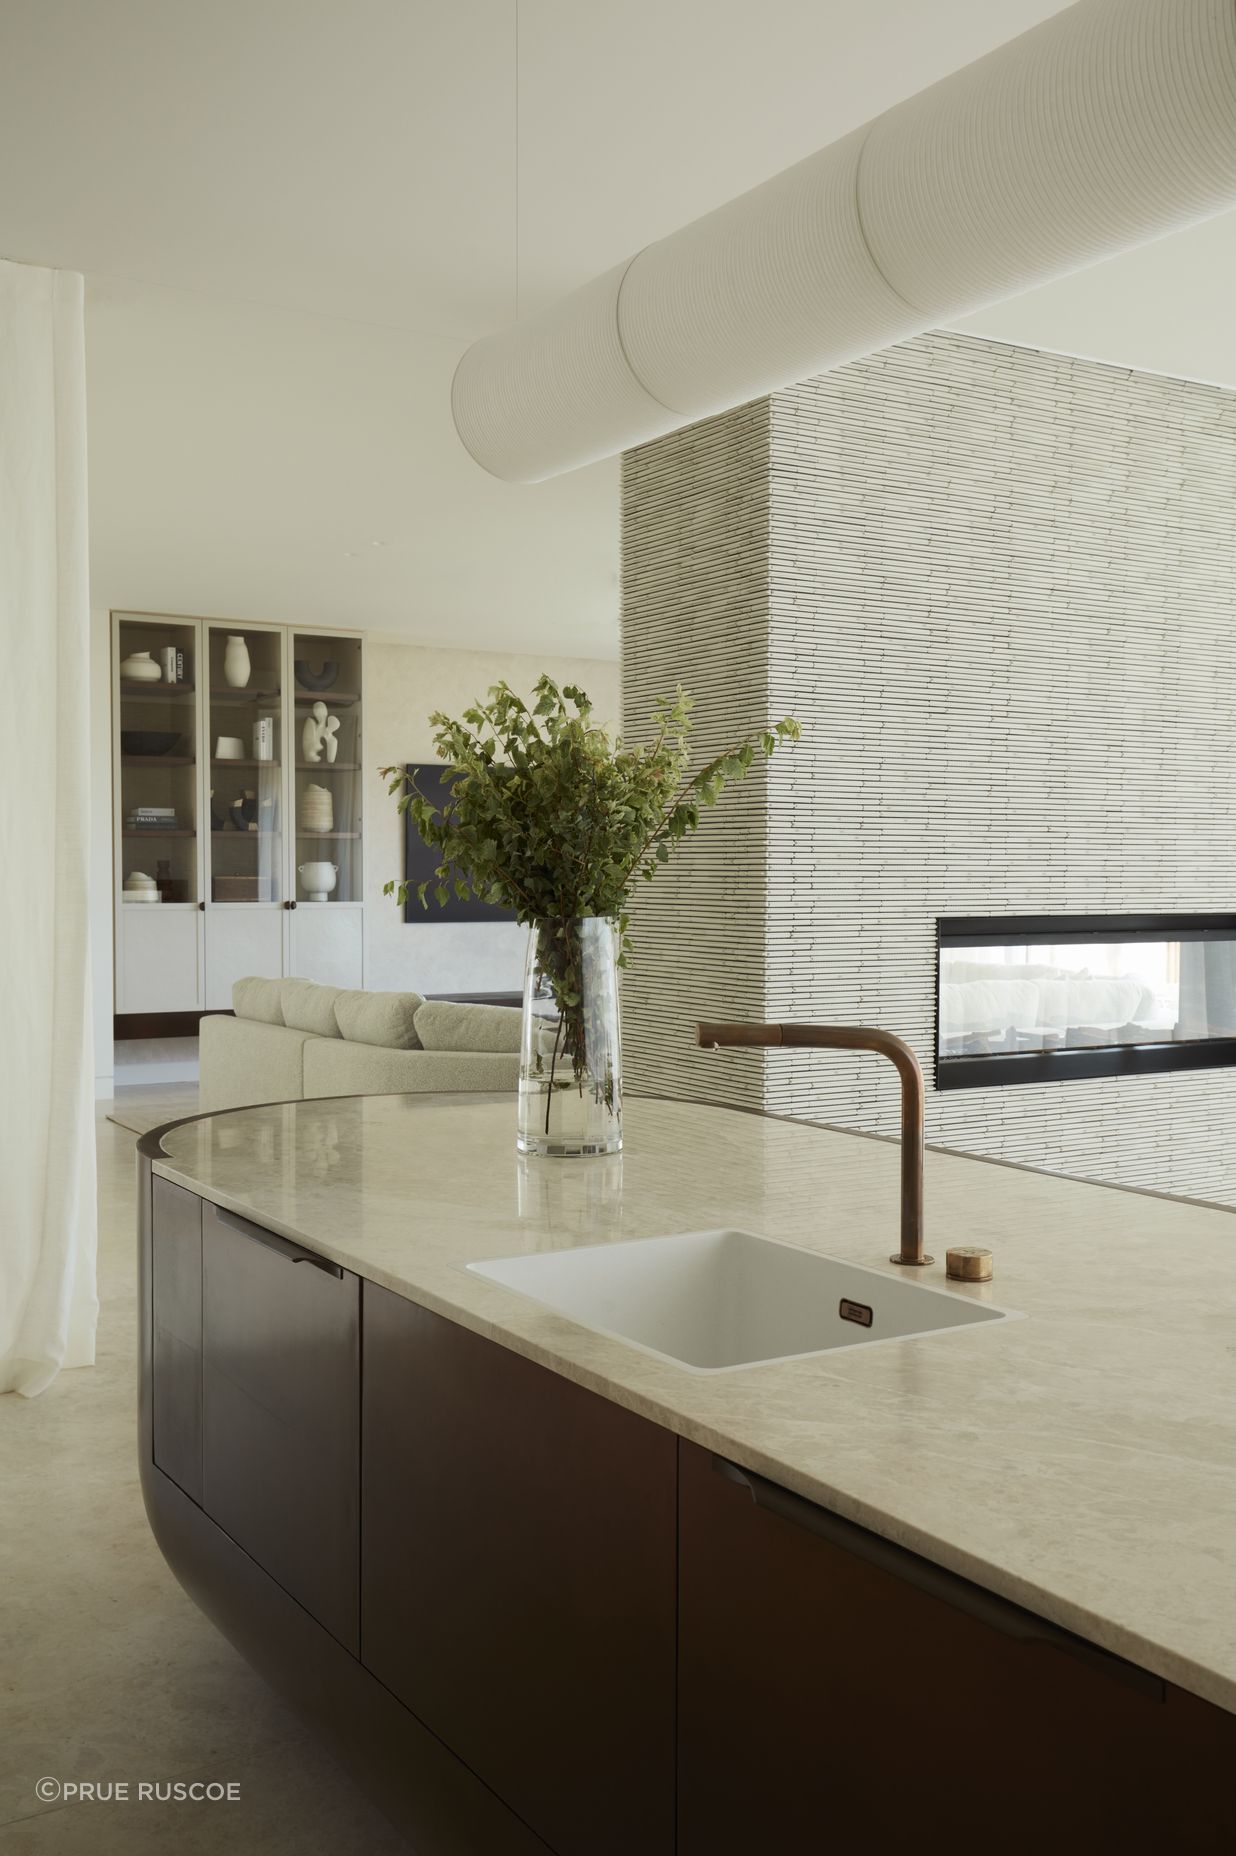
1032	999
421	859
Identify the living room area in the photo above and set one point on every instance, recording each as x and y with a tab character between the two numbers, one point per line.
619	745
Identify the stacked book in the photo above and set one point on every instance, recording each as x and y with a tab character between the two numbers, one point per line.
151	818
173	662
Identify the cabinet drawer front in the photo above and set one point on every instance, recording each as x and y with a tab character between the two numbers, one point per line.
176	1291
826	1689
281	1413
518	1578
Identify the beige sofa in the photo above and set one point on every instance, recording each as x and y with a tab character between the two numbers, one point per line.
292	1038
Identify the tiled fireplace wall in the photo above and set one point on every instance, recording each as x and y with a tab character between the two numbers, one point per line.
998	588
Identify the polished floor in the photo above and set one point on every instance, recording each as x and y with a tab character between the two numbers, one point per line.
107	1672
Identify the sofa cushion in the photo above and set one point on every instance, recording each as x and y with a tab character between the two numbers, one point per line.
387	1019
343	1069
258	999
244	1061
443	1024
309	1007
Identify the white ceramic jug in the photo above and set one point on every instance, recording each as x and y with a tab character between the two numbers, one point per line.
319	879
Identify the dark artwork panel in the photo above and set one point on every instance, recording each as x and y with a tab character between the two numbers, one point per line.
420	860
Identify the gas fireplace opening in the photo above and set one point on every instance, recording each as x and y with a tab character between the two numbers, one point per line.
1045	998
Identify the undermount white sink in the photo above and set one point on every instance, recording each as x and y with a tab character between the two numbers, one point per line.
712	1301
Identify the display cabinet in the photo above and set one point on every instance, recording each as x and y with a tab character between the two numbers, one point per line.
156	796
237	802
326	923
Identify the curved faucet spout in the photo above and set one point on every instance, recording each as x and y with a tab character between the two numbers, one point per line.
856	1037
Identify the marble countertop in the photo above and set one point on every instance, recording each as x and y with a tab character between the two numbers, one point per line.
1081	1461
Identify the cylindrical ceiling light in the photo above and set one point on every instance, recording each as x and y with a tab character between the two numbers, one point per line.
1099	130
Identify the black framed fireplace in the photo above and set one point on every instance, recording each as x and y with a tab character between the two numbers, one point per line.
1048	998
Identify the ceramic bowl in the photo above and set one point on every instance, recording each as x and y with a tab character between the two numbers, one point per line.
229	747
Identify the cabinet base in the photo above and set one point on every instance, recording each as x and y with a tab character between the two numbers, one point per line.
160	1024
429	1795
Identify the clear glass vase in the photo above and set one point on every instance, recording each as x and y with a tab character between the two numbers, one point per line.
570	1066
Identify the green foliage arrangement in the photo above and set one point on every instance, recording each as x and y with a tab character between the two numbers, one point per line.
550	817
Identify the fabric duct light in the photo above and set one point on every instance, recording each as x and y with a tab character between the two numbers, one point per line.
1101	129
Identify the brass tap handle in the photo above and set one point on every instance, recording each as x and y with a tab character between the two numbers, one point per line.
968	1263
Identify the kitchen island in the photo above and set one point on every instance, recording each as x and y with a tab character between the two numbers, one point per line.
545	1591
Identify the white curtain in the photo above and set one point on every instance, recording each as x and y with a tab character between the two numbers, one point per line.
47	1193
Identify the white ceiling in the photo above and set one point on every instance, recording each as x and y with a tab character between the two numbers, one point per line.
294	214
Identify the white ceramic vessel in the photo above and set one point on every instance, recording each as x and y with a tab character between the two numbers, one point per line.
319	880
317	809
140	667
236	666
229	747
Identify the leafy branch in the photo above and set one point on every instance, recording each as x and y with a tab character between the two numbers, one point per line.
549	817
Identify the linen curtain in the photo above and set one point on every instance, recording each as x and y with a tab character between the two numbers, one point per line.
48	1306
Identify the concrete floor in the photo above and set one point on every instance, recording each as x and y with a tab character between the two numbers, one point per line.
107	1671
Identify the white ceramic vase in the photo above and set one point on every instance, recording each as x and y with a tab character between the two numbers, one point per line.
236	666
319	879
140	667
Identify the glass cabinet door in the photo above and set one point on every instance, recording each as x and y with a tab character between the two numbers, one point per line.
245	790
326	788
158	751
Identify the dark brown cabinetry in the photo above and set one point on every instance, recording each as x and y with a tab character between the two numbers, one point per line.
525	1617
835	1692
281	1412
518	1573
176	1286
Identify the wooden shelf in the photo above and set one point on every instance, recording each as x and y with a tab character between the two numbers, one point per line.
157	760
328	834
332	698
229	831
154	692
248	761
328	766
245	695
151	831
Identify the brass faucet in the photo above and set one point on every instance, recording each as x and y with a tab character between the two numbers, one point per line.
857	1037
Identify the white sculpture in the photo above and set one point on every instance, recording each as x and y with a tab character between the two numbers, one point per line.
320	732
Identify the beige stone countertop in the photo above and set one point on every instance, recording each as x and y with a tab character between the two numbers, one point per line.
1081	1461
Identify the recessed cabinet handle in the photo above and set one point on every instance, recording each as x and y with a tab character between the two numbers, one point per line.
1000	1613
280	1245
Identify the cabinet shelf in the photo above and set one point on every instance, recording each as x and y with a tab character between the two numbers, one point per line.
182	957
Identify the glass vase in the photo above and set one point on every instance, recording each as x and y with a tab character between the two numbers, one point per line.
570	1066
